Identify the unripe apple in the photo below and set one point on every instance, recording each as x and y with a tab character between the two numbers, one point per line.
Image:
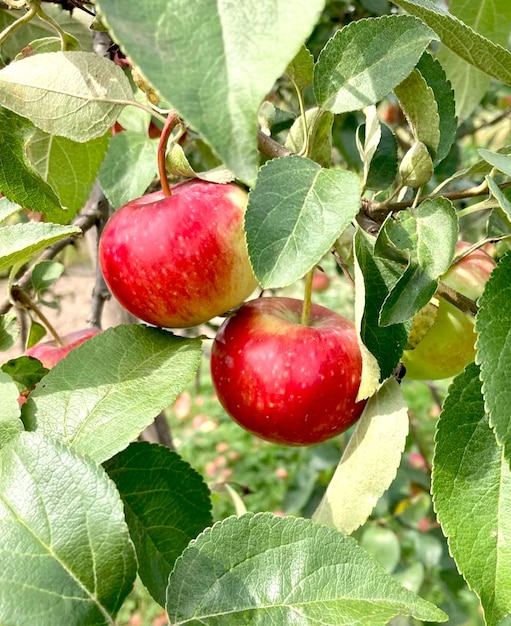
50	353
180	260
447	342
284	381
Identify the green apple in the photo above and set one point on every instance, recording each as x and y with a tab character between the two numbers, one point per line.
443	337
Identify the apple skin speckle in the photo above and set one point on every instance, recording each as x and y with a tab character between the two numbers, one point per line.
283	381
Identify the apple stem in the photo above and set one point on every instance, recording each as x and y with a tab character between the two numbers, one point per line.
307	300
18	295
170	123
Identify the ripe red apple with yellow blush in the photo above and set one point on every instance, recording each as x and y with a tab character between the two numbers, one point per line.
178	261
284	381
443	337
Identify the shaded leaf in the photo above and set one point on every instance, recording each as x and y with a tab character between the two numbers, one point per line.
472	481
365	60
356	486
265	569
45	274
26	371
70	559
77	95
295	213
18	243
9	331
8	209
167	504
107	390
129	167
18	180
301	68
319	132
68	166
383	168
493	324
504	202
218	89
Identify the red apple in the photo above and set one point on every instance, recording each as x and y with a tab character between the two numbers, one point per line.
449	344
283	381
181	260
50	353
320	281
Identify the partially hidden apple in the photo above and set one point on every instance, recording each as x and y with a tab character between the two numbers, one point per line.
50	352
178	261
447	342
284	381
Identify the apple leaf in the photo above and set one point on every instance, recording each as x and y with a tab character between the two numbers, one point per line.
9	331
160	533
356	485
501	162
365	60
436	79
25	371
240	570
417	101
461	39
129	167
319	132
377	277
490	18
436	232
218	89
472	480
383	166
10	423
18	180
48	44
19	242
68	166
38	29
77	95
503	200
8	209
295	213
70	559
301	69
493	324
107	390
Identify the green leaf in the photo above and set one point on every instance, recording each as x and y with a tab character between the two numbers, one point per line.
365	60
272	570
416	167
383	167
18	180
436	79
295	213
477	50
36	332
77	95
48	44
45	274
37	29
382	544
501	162
8	209
68	166
107	390
301	68
436	226
319	131
356	486
490	18
503	200
472	481
417	100
26	371
19	242
493	324
129	167
10	423
379	277
198	56
70	559
9	331
167	504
